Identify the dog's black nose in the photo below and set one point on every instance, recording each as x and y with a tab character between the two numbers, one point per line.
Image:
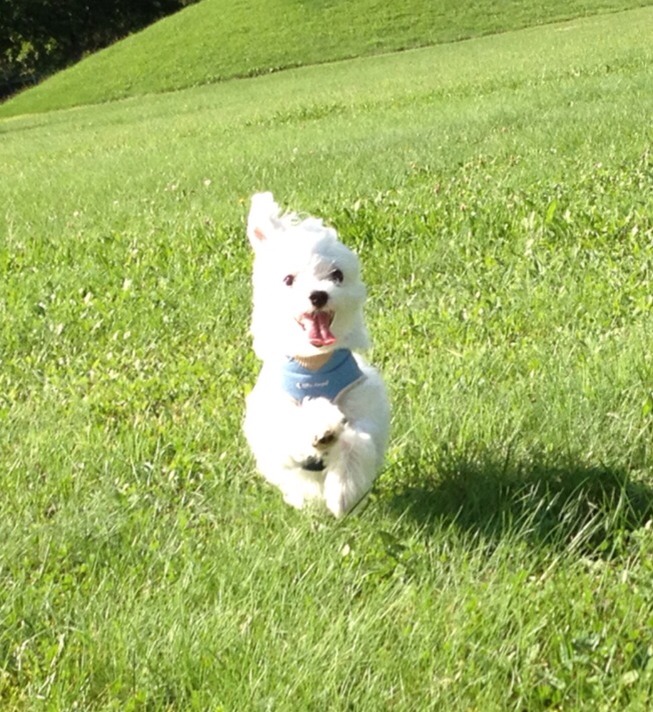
319	299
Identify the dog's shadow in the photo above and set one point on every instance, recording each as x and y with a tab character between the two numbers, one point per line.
585	508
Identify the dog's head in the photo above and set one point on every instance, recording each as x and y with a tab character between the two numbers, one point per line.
308	293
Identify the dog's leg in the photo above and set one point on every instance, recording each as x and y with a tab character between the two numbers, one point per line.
293	497
351	470
293	446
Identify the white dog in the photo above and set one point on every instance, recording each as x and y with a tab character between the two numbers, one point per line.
318	417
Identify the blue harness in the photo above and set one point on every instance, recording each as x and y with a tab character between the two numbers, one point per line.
330	381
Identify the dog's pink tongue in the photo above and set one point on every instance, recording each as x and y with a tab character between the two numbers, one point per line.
319	332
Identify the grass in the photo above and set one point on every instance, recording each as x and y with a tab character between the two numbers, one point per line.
213	41
502	209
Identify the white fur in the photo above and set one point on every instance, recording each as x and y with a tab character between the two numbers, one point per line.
281	432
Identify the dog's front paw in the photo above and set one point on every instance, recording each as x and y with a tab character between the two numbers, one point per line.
320	426
324	422
326	439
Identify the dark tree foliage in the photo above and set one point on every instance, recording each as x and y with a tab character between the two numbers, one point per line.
38	37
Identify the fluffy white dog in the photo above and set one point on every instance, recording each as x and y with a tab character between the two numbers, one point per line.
318	417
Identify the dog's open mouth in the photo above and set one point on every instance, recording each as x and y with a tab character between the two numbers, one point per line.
318	326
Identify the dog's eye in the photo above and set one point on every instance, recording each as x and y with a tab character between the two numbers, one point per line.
289	279
336	276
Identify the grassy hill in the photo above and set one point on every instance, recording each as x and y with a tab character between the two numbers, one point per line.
500	194
217	40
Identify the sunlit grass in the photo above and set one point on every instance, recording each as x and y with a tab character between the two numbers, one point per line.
214	40
502	210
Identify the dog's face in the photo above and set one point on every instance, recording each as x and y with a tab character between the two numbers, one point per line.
308	294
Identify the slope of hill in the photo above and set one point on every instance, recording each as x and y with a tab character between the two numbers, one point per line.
215	40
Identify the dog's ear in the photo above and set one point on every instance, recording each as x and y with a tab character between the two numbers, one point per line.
263	219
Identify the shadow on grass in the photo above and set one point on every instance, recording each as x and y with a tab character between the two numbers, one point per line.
591	509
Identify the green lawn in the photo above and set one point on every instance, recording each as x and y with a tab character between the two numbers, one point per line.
500	194
216	40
